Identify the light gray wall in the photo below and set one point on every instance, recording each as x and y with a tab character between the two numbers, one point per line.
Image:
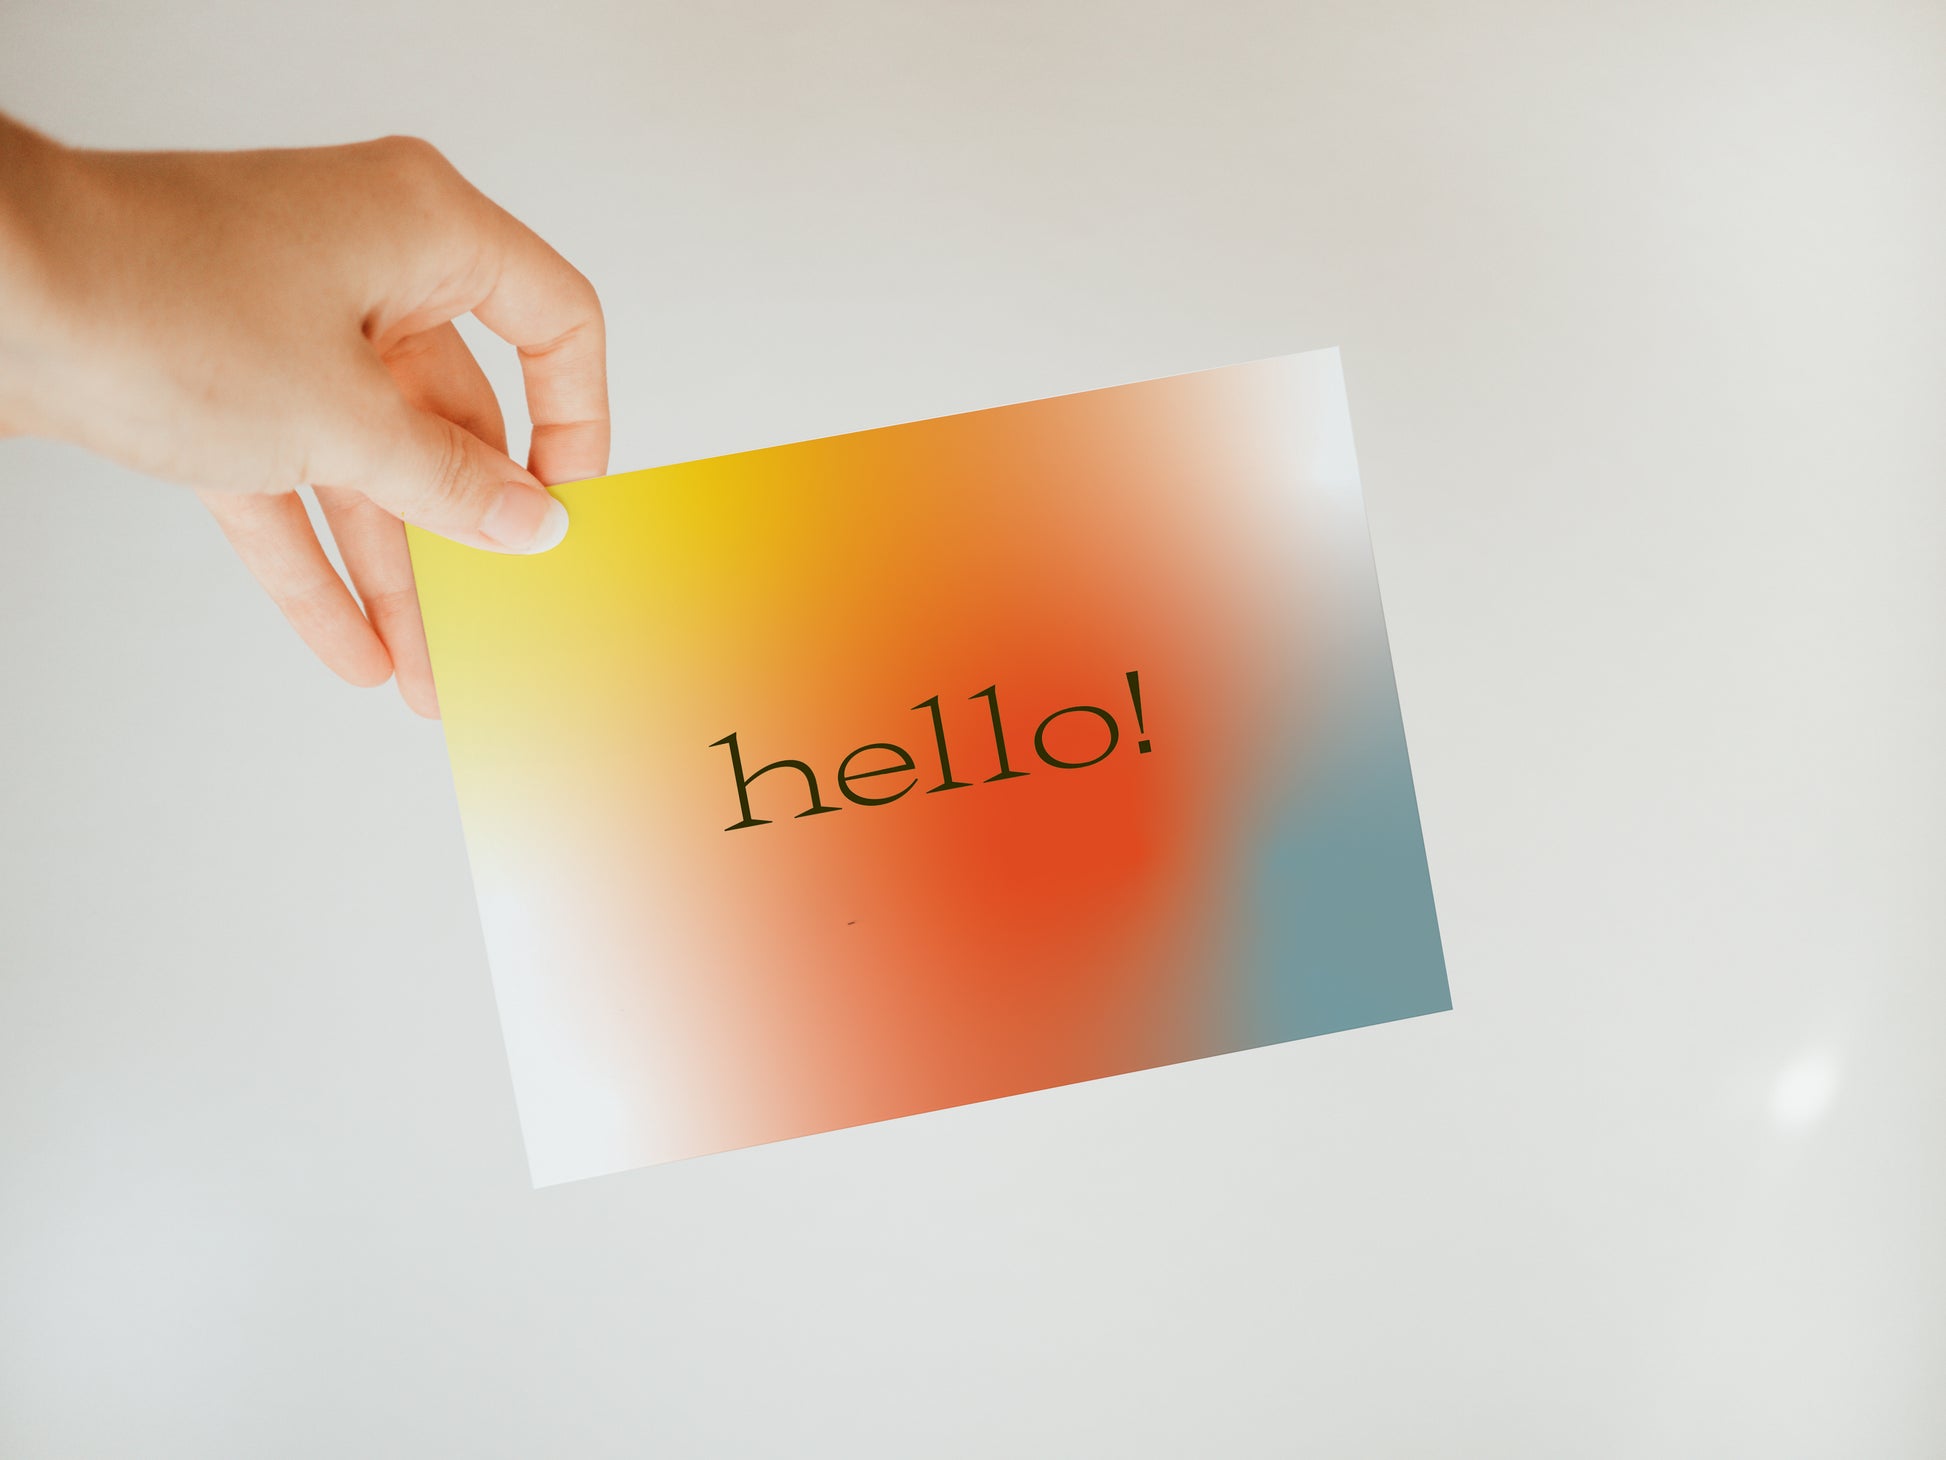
1642	311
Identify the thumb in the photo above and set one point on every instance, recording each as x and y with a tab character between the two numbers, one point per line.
425	470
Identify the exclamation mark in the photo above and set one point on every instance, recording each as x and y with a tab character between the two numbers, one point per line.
1135	697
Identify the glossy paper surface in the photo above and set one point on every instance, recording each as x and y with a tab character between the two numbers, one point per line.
943	889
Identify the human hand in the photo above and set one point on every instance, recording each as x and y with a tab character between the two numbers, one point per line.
249	322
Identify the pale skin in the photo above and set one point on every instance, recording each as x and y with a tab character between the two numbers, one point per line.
248	323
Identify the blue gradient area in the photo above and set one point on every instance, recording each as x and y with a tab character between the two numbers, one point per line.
1342	928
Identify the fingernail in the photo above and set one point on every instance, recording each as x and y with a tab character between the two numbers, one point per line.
525	520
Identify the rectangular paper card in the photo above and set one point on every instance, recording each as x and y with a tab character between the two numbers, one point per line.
845	780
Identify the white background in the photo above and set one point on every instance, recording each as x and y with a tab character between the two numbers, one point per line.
1642	313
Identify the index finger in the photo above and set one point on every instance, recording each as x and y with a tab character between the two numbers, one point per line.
548	311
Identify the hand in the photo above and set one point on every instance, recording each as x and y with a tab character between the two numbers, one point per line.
249	322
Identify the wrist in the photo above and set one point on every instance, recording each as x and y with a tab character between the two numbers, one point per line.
33	172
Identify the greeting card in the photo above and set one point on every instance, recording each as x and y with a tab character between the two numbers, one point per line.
844	780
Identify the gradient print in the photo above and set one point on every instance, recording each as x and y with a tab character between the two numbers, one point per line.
668	987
